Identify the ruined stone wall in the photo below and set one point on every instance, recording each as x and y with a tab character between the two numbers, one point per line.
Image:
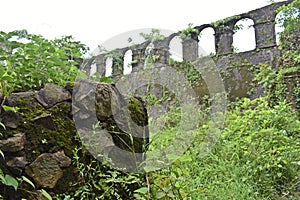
237	80
39	138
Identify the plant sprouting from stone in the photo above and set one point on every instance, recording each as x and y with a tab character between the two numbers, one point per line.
189	32
154	36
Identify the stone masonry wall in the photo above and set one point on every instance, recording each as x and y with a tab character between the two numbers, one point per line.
39	139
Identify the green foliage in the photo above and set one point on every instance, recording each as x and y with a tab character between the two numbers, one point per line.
74	49
192	74
116	56
289	17
29	61
265	76
46	194
151	55
153	36
189	33
101	182
167	183
239	27
256	157
267	138
8	180
25	179
221	24
107	80
275	82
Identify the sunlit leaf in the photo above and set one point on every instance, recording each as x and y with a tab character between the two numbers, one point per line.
185	158
28	181
11	181
10	108
142	190
2	154
46	194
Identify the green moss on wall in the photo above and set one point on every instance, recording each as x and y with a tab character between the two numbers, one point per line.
42	140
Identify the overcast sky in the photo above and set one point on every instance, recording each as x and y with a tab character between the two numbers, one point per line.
95	21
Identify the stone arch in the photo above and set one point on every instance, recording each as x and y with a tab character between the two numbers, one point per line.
207	40
175	47
109	66
127	62
278	27
244	38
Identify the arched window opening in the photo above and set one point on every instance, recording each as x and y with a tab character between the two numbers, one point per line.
108	66
150	56
206	44
278	27
93	69
127	64
244	35
175	49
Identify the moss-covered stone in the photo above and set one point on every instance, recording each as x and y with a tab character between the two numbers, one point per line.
137	111
41	139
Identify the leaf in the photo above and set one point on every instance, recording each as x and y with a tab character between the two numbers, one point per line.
177	185
297	163
150	168
28	181
2	154
172	157
185	158
2	178
160	195
11	181
171	195
46	194
7	78
3	126
142	190
10	108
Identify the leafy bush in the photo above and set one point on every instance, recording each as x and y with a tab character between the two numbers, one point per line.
257	155
29	61
289	17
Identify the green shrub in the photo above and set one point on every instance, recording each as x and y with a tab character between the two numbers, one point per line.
257	155
30	61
